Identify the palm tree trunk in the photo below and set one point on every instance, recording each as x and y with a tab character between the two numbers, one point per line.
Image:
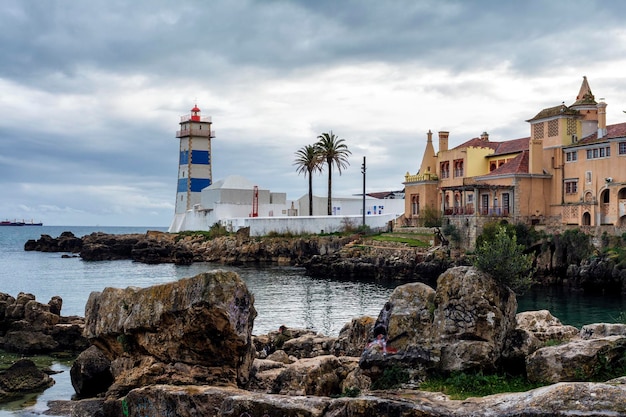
310	193
330	189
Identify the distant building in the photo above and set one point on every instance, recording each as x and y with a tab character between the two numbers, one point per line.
235	202
570	171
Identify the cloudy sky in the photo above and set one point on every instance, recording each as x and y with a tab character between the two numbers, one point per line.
91	92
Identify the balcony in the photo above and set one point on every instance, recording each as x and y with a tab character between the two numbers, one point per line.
459	211
494	211
201	133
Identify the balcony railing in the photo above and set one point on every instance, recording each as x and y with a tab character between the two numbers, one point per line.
195	132
483	211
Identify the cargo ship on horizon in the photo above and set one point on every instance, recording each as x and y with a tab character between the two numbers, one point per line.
19	223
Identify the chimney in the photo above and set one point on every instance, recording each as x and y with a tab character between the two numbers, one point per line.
443	140
484	137
601	119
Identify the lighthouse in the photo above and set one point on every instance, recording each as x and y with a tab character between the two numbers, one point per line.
194	161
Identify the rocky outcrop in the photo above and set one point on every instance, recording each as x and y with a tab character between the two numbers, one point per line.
366	261
21	378
459	327
560	400
193	331
578	360
159	247
28	326
66	242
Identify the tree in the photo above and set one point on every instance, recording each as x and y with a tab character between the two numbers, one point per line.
504	259
308	160
335	153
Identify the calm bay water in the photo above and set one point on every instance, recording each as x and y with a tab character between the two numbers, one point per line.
283	295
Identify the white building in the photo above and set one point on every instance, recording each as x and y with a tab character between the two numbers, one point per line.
236	202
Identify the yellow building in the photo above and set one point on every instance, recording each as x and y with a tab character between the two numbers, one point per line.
571	170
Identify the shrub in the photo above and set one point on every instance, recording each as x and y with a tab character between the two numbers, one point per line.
504	259
430	217
452	232
392	377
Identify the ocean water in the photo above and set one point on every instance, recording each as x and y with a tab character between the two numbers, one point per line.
283	295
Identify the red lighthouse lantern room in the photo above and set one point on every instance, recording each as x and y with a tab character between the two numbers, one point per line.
195	114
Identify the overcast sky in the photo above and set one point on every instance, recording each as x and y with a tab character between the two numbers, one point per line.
91	92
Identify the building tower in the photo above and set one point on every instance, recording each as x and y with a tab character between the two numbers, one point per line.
194	161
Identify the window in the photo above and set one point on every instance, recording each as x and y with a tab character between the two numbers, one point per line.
606	197
444	169
538	131
571	156
600	152
415	204
458	168
571	186
588	177
622	148
492	166
506	203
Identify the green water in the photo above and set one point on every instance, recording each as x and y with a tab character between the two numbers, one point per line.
574	308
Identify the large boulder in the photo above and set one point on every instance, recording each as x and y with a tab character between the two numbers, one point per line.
91	373
599	330
192	331
461	326
578	360
545	327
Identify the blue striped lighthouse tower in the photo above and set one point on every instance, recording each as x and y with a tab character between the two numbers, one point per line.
194	163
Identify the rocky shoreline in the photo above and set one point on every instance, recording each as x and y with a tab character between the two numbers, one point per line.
187	349
346	257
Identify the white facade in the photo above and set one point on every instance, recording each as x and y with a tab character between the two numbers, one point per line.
352	205
230	203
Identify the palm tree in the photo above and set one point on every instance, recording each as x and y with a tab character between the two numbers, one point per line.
335	152
308	160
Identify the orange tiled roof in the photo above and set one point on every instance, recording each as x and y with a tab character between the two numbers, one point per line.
517	165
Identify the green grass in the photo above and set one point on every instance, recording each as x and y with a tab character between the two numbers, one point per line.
419	242
460	385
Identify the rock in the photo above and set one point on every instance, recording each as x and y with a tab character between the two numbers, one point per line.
354	336
21	378
461	326
545	327
309	346
66	242
558	400
192	331
27	326
600	330
578	360
91	373
319	376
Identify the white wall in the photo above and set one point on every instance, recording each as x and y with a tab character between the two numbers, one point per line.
262	226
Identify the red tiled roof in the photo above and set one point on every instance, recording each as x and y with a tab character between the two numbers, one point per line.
517	165
612	131
478	143
512	146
